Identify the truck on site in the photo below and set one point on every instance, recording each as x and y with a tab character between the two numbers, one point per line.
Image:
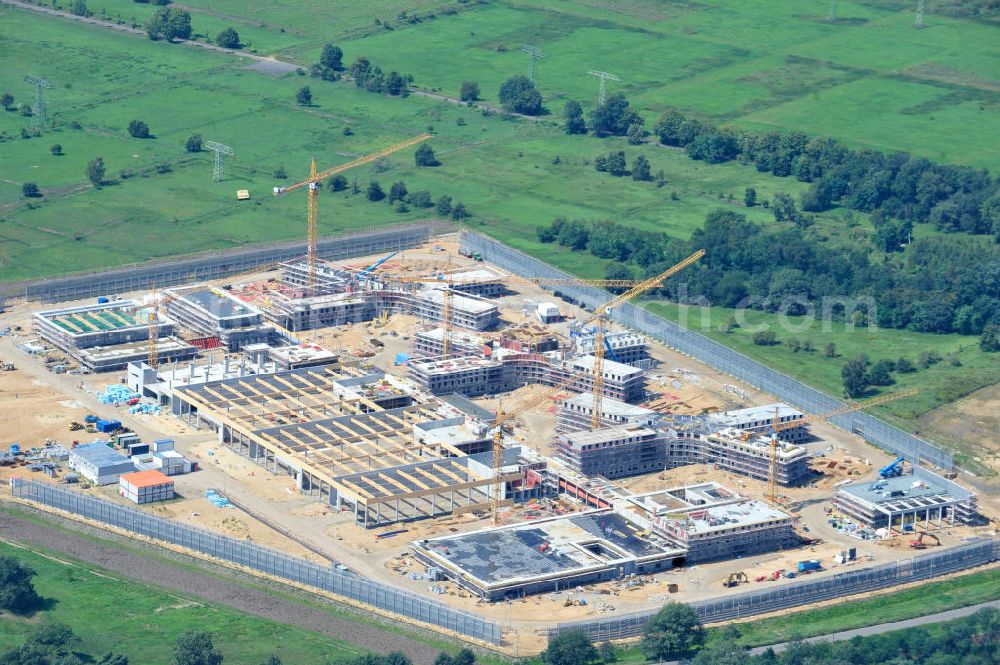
893	469
809	565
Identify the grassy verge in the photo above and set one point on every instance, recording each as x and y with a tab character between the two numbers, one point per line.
142	622
919	601
938	384
161	557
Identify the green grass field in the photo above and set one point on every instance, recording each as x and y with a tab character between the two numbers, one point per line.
503	170
938	385
142	622
868	78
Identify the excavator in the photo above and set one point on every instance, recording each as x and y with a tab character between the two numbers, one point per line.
919	544
735	579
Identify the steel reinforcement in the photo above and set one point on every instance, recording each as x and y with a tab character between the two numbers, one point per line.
218	265
803	592
720	357
246	553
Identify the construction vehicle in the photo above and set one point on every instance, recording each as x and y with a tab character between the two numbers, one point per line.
735	579
777	426
892	469
919	544
313	183
809	566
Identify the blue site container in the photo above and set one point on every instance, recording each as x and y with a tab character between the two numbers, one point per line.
108	425
103	300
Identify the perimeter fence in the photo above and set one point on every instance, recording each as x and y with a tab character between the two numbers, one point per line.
219	265
803	592
719	356
246	553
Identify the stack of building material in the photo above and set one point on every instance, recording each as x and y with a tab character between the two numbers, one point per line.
217	499
115	393
145	409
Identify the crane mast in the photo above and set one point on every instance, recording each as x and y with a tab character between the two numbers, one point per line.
313	183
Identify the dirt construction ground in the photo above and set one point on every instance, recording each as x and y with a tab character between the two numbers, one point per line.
36	405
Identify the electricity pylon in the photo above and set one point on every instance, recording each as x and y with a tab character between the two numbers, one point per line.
604	77
534	54
38	116
219	151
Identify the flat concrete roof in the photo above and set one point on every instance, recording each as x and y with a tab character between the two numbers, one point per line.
459	301
607	435
610	366
610	406
757	414
214	301
131	349
558	546
893	490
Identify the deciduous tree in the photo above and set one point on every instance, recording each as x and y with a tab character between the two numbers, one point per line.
674	632
518	95
95	171
469	91
228	38
573	121
17	591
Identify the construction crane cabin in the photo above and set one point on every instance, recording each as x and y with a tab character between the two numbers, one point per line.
313	184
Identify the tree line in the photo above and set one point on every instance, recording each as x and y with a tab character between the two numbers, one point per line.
897	186
945	284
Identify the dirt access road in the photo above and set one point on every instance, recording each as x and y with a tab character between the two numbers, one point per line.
158	572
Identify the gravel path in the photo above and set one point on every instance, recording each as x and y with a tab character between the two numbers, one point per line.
259	603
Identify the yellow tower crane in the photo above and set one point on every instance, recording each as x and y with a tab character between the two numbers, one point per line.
601	313
312	182
776	427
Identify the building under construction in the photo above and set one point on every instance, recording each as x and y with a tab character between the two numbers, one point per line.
712	522
214	313
339	296
505	371
357	439
630	535
106	337
685	440
760	420
613	452
920	499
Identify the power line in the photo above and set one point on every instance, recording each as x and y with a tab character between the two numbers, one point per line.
219	151
38	114
534	54
603	77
